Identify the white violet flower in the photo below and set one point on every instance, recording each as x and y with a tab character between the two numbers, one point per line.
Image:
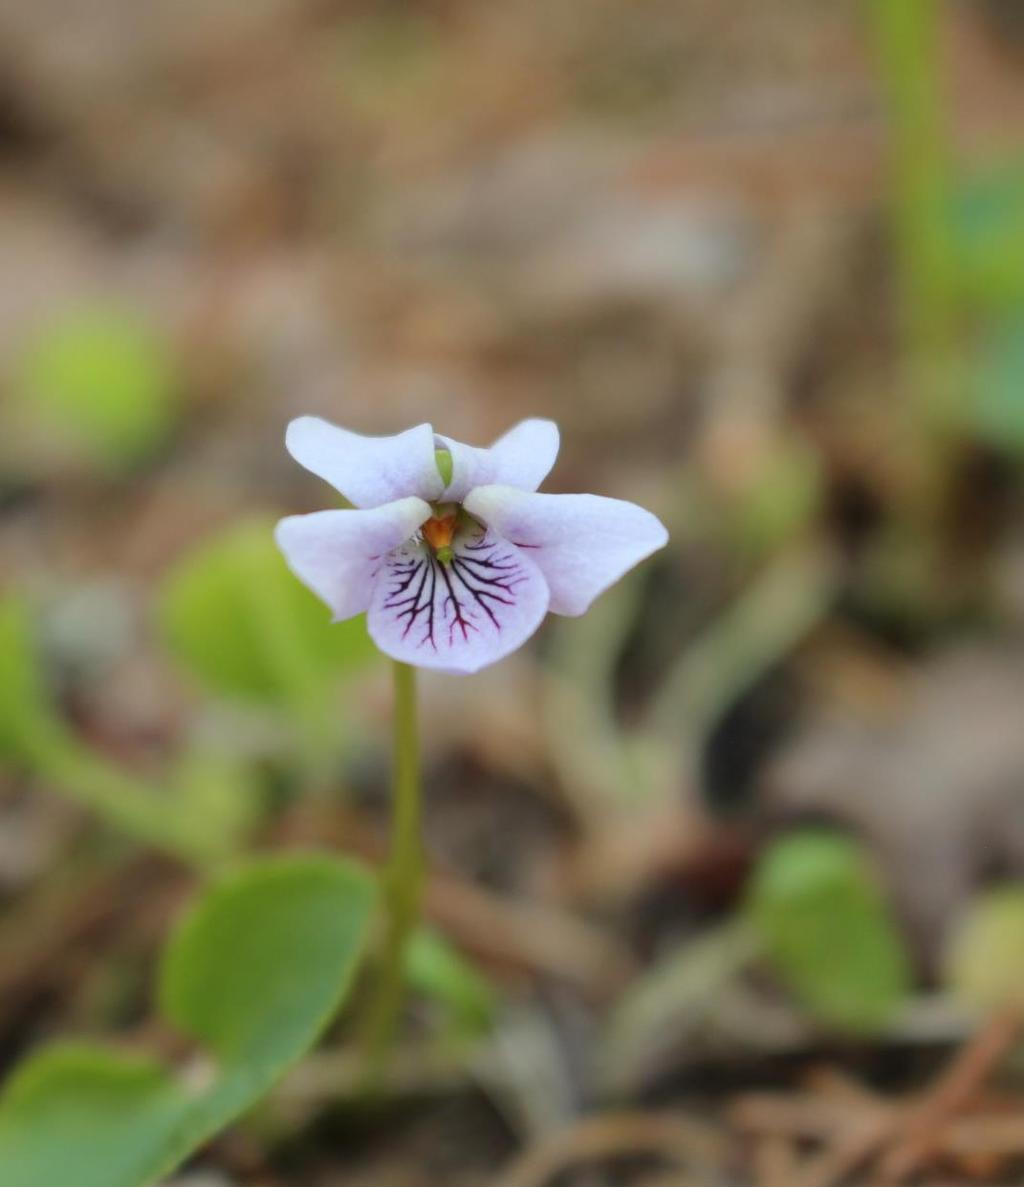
448	549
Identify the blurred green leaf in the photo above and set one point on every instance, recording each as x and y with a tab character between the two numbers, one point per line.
997	410
28	722
222	796
240	621
987	233
819	910
985	963
63	1118
101	381
439	971
34	736
255	972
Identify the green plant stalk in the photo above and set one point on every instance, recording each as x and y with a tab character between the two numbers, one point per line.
403	880
122	799
907	37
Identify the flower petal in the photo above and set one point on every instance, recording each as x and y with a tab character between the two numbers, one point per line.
369	471
338	553
458	617
581	543
523	457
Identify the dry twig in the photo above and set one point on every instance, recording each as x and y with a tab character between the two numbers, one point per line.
680	1140
951	1094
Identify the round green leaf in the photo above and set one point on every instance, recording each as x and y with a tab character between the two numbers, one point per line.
987	236
239	620
997	411
985	964
103	382
819	910
256	963
255	972
63	1118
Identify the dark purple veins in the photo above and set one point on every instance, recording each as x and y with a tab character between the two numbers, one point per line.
443	605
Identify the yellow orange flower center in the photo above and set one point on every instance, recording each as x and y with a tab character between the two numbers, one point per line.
439	531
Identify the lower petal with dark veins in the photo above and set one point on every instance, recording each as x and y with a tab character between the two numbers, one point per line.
458	616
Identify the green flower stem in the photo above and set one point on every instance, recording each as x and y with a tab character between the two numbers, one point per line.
908	37
907	34
403	879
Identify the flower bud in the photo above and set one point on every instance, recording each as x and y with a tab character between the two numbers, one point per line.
443	460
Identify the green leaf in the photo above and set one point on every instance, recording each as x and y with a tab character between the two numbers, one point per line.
985	963
220	795
439	971
258	958
63	1118
254	972
101	381
819	909
997	411
987	234
239	620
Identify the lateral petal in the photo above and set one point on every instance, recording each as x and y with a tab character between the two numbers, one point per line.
338	553
581	543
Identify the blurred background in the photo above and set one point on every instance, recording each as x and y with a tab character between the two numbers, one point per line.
744	847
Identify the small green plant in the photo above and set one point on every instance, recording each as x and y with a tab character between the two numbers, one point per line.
985	961
818	909
101	383
255	973
455	560
199	814
242	626
252	975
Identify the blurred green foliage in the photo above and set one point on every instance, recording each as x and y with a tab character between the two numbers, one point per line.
235	616
439	971
28	724
102	383
247	629
997	408
254	973
819	911
986	229
985	964
198	816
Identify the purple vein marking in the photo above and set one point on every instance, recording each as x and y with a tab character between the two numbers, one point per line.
480	580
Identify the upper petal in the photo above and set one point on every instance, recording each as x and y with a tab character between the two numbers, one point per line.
368	471
523	458
581	543
338	553
461	616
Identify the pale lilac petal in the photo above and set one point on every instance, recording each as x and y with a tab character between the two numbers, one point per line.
338	553
523	458
368	471
458	617
581	543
